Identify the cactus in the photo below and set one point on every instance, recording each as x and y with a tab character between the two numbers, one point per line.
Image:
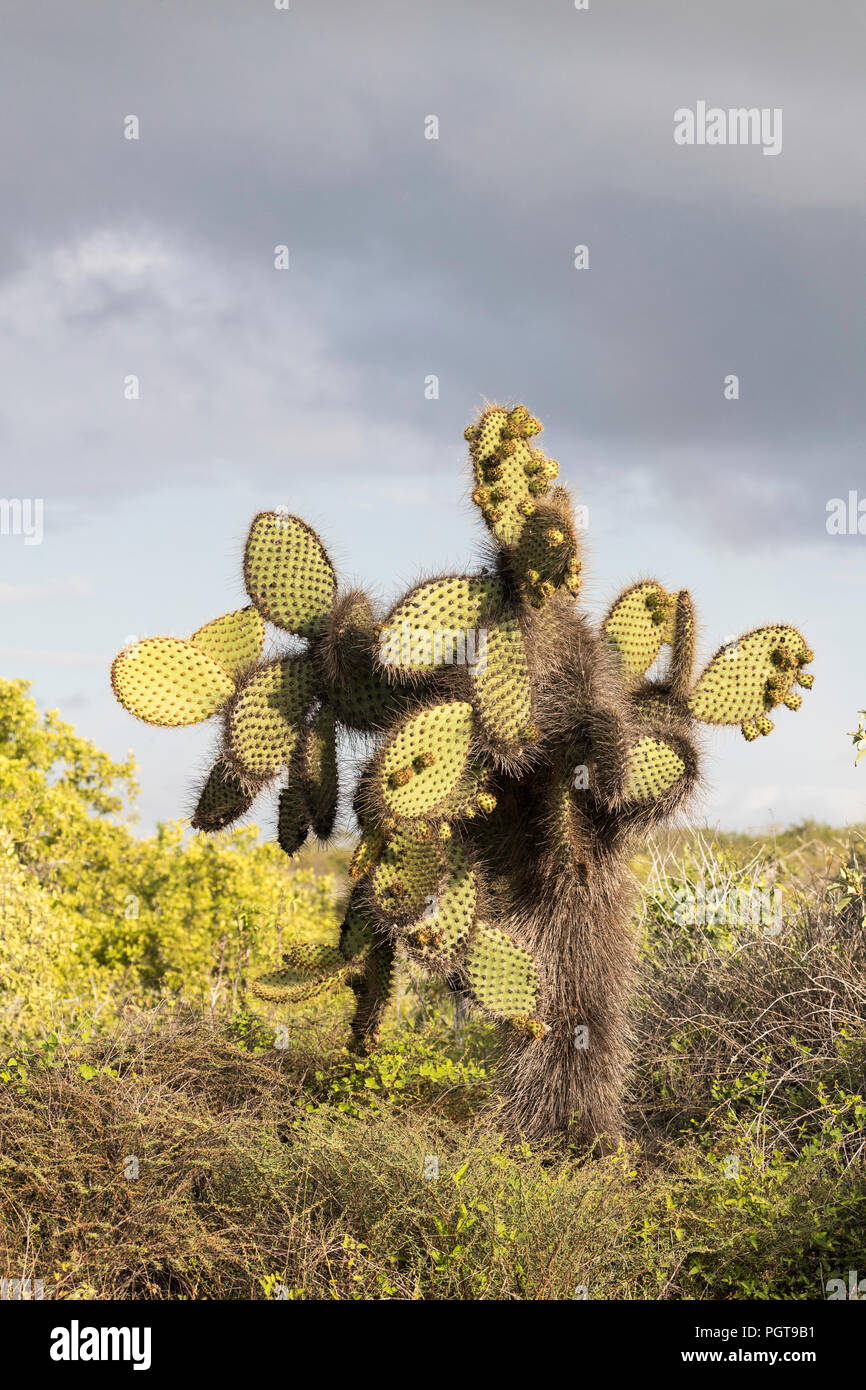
519	754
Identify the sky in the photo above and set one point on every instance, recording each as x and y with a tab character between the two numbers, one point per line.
413	258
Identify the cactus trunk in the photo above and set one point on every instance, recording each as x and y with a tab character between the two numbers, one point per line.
577	925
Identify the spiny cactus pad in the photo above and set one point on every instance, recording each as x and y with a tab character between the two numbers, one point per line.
424	761
545	557
293	819
503	690
168	681
288	574
318	766
501	975
223	799
235	641
358	929
439	623
367	851
639	622
451	912
405	877
750	676
509	472
266	718
653	767
308	970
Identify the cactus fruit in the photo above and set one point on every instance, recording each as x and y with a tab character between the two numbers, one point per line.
511	775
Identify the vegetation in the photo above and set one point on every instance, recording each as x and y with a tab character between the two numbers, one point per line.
163	1135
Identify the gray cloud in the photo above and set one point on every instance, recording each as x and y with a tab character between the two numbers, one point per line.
452	257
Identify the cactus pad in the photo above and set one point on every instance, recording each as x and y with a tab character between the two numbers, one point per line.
222	800
439	623
265	720
168	681
501	975
405	877
509	472
293	819
358	929
748	677
424	761
288	574
639	622
502	688
653	767
545	557
367	851
318	765
308	970
235	641
452	911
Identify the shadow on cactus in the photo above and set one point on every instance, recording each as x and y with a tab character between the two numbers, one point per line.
518	752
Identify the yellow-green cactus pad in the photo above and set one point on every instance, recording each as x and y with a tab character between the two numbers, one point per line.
168	681
748	677
358	929
318	762
424	761
288	574
293	819
223	798
308	970
639	622
266	719
501	975
509	472
235	641
451	912
545	557
502	686
653	767
682	639
367	851
440	623
406	875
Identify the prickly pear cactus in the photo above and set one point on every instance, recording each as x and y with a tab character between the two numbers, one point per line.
518	752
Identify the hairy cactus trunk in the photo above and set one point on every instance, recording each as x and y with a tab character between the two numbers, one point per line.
564	895
570	1081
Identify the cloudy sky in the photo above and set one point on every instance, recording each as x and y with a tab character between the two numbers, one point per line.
451	257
